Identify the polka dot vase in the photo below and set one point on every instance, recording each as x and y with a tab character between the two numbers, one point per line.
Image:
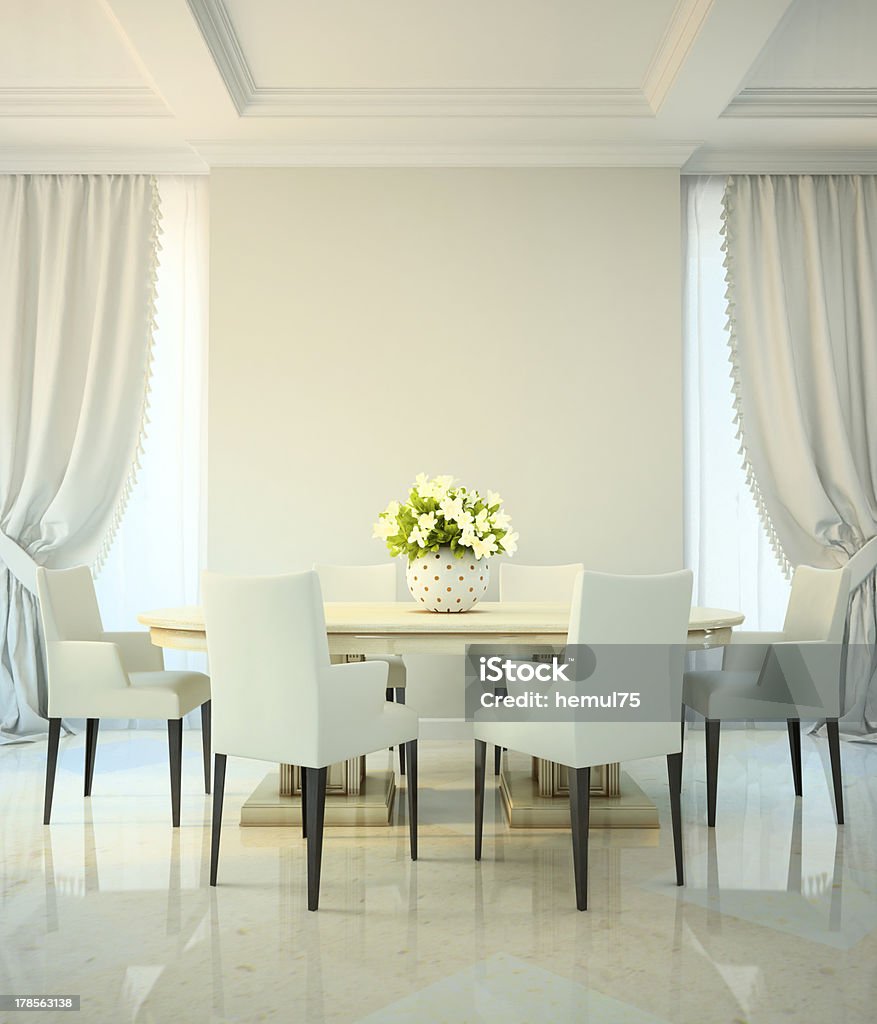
442	583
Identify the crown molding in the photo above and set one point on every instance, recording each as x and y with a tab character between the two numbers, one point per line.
679	36
99	160
81	101
251	100
782	161
219	153
446	102
776	102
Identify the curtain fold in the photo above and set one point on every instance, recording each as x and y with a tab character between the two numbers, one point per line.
78	256
802	307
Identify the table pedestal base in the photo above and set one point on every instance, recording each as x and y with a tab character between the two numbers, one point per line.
372	805
526	808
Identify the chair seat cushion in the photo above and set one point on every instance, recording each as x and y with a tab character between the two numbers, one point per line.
732	696
345	738
165	694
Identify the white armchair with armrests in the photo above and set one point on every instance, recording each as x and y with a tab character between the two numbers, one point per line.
776	676
94	674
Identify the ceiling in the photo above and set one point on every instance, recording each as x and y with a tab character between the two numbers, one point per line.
183	85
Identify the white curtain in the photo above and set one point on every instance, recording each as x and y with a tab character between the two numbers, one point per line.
801	268
157	555
725	543
77	274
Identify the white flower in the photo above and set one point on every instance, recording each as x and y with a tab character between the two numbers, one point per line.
500	520
482	522
418	537
384	528
426	522
468	537
442	484
492	499
421	481
510	542
451	508
484	548
465	520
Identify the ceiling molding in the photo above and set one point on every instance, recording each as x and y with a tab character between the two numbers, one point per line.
782	161
99	160
447	102
251	100
679	36
214	23
81	101
219	153
783	102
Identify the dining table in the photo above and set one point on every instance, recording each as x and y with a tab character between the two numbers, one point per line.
533	791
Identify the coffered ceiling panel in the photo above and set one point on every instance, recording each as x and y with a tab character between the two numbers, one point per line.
448	43
820	62
67	58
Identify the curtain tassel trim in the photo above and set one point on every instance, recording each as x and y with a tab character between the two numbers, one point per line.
142	433
736	386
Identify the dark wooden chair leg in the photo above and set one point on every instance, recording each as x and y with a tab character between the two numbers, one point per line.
218	793
834	755
205	741
389	696
304	802
579	808
674	778
175	752
411	749
497	760
91	727
480	768
51	766
794	725
712	726
400	699
316	783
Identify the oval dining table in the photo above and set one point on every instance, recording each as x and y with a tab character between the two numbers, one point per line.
534	794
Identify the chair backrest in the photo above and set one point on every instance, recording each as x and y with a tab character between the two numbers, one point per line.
610	609
358	582
536	583
638	626
68	604
817	604
267	646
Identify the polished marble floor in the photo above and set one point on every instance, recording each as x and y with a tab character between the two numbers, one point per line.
777	922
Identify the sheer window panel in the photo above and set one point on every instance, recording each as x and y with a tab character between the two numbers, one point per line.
725	543
158	551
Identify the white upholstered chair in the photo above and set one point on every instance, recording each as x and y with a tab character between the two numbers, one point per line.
766	676
95	675
606	609
534	584
373	583
277	697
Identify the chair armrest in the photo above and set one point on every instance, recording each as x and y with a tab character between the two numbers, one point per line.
137	651
80	670
359	687
805	673
748	649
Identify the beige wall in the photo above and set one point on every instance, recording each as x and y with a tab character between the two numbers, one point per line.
518	328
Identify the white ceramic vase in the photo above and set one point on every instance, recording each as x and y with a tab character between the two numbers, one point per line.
443	583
